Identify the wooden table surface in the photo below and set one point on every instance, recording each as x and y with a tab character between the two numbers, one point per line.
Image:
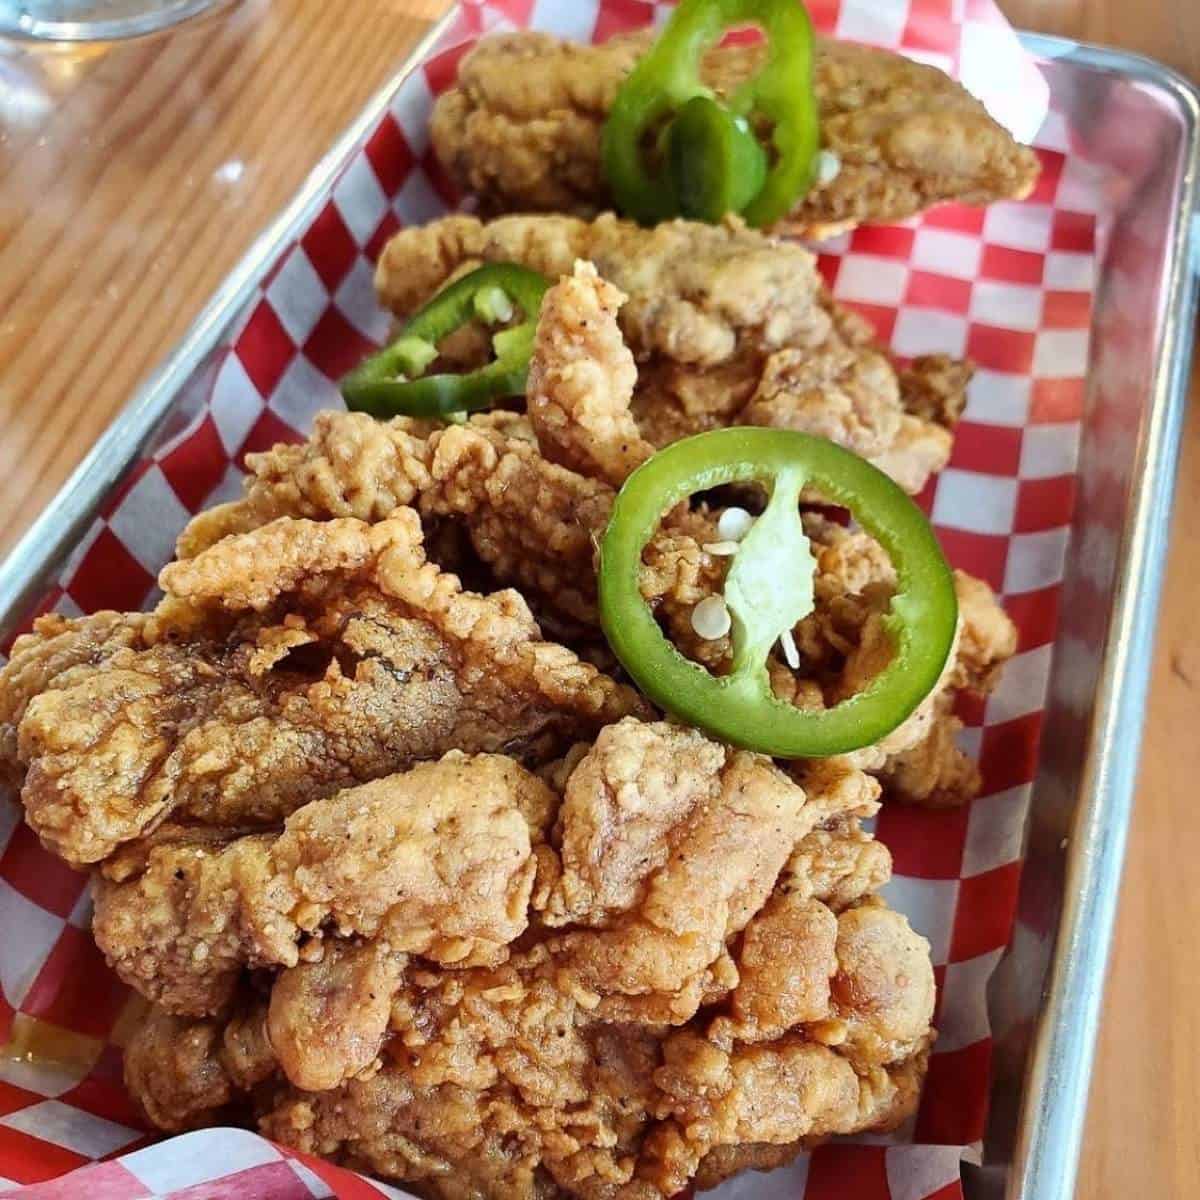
133	177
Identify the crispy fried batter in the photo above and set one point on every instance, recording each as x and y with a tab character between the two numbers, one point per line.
346	656
531	521
696	293
787	952
513	1078
351	466
727	325
670	844
835	395
173	1067
535	523
933	387
988	638
52	651
327	1018
581	381
775	1093
522	129
184	1071
437	861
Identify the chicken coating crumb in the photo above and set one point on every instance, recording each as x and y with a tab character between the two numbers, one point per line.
512	1078
521	129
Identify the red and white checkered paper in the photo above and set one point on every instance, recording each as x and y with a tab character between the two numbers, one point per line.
1010	286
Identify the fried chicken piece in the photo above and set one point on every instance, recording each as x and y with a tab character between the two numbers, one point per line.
186	1072
670	843
499	1092
521	129
920	761
173	1068
835	395
784	968
782	1093
934	771
918	452
821	956
727	326
354	466
436	861
581	380
531	521
282	665
535	523
724	1162
624	803
988	638
56	647
883	989
697	293
837	866
550	1070
328	1017
825	397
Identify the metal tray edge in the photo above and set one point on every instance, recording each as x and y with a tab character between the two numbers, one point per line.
1054	1105
51	538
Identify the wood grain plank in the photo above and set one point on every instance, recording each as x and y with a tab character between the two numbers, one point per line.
132	179
1168	30
1145	1101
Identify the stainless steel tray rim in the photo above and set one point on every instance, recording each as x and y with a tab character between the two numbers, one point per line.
1054	1107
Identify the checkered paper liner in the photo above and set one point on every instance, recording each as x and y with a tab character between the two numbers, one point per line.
1010	286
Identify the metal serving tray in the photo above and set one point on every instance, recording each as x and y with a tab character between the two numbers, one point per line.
1141	123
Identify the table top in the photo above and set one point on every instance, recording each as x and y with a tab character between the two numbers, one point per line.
149	167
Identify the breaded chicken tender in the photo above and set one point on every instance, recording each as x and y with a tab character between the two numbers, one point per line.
521	129
727	326
558	1067
282	664
536	524
436	861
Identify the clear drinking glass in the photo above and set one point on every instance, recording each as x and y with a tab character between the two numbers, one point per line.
94	20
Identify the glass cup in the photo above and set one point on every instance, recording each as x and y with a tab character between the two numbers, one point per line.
94	20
